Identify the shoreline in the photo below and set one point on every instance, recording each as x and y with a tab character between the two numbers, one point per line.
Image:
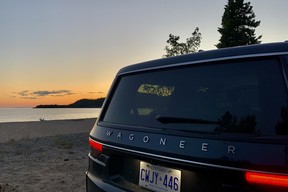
42	119
12	131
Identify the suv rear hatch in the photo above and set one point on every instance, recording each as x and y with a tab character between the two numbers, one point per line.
202	127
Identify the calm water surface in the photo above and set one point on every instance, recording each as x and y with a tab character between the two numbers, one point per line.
32	114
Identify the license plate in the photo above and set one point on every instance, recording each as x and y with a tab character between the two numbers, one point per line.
159	179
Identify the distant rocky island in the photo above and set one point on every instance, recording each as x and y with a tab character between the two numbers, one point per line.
82	103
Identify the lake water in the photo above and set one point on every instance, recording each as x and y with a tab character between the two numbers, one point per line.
33	114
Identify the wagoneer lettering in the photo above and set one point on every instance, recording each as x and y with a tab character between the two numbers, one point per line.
204	147
145	139
212	121
119	135
182	144
163	141
230	149
131	137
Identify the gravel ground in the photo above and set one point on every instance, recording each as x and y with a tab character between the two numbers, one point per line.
56	163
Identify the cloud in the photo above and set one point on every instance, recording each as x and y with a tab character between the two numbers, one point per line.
26	94
30	98
99	92
52	93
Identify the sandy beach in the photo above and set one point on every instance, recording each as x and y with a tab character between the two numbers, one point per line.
44	156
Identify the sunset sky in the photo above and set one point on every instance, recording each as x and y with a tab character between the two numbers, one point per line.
59	51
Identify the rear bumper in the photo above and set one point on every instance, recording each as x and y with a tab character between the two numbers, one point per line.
94	184
118	170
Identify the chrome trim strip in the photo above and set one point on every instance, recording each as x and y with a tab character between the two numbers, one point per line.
205	61
187	161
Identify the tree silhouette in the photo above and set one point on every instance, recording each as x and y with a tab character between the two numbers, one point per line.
175	48
238	25
282	126
229	123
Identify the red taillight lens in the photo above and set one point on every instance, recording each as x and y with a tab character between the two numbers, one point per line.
267	179
96	148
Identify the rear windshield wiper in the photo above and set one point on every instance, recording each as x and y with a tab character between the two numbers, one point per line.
181	120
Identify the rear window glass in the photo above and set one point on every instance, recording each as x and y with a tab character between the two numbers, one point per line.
241	97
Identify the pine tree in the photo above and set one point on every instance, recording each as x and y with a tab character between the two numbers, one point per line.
191	45
238	25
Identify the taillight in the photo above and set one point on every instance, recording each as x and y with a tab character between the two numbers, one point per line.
96	148
267	179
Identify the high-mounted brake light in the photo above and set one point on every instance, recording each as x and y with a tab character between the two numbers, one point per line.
95	145
267	179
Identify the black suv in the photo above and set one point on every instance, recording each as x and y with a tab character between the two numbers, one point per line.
208	121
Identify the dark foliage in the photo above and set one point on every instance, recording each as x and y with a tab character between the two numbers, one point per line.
230	123
282	126
238	25
191	45
82	103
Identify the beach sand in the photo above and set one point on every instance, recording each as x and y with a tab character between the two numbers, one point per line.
44	156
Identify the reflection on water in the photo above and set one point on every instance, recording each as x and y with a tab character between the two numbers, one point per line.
32	114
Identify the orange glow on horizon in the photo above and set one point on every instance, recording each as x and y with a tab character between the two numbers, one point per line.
52	94
13	101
